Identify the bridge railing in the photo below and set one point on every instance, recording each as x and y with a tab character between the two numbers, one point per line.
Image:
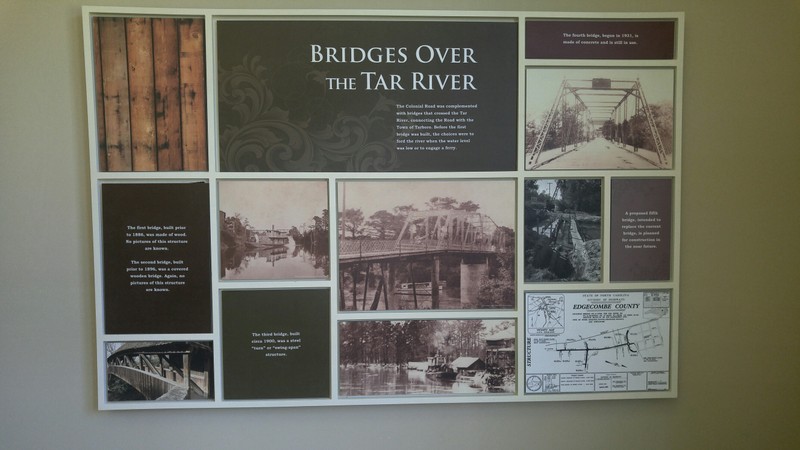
150	384
349	248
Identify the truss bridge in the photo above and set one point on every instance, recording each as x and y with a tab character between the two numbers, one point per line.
164	370
605	115
426	237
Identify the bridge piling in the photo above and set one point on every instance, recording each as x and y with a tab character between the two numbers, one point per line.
471	276
354	274
186	369
391	297
435	283
384	282
367	273
413	283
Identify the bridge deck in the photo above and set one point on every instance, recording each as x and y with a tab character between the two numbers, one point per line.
597	154
377	249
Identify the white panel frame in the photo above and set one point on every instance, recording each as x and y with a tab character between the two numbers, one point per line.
213	175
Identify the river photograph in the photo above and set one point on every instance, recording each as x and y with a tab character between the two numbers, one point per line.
274	230
426	357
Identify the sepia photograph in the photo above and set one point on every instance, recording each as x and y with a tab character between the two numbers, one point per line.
419	357
563	230
160	371
599	118
274	230
426	244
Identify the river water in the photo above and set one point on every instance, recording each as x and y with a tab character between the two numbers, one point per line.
389	380
277	263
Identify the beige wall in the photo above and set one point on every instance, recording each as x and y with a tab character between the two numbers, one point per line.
740	294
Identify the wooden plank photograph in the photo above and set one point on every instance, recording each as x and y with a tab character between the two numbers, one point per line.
150	94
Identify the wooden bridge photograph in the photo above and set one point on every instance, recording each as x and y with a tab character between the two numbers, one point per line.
159	371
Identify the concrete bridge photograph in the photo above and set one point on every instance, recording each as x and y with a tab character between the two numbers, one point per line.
426	244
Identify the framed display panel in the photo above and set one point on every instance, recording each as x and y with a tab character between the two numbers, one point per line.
335	207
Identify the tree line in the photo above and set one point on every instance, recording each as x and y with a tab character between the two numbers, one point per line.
636	131
569	128
398	342
316	237
583	195
388	224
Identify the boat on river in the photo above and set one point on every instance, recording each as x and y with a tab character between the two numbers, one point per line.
439	369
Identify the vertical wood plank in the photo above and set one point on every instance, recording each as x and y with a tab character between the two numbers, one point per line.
193	95
116	105
102	160
141	87
167	94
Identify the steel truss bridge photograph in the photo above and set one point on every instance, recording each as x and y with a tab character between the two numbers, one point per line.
599	119
456	254
427	237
